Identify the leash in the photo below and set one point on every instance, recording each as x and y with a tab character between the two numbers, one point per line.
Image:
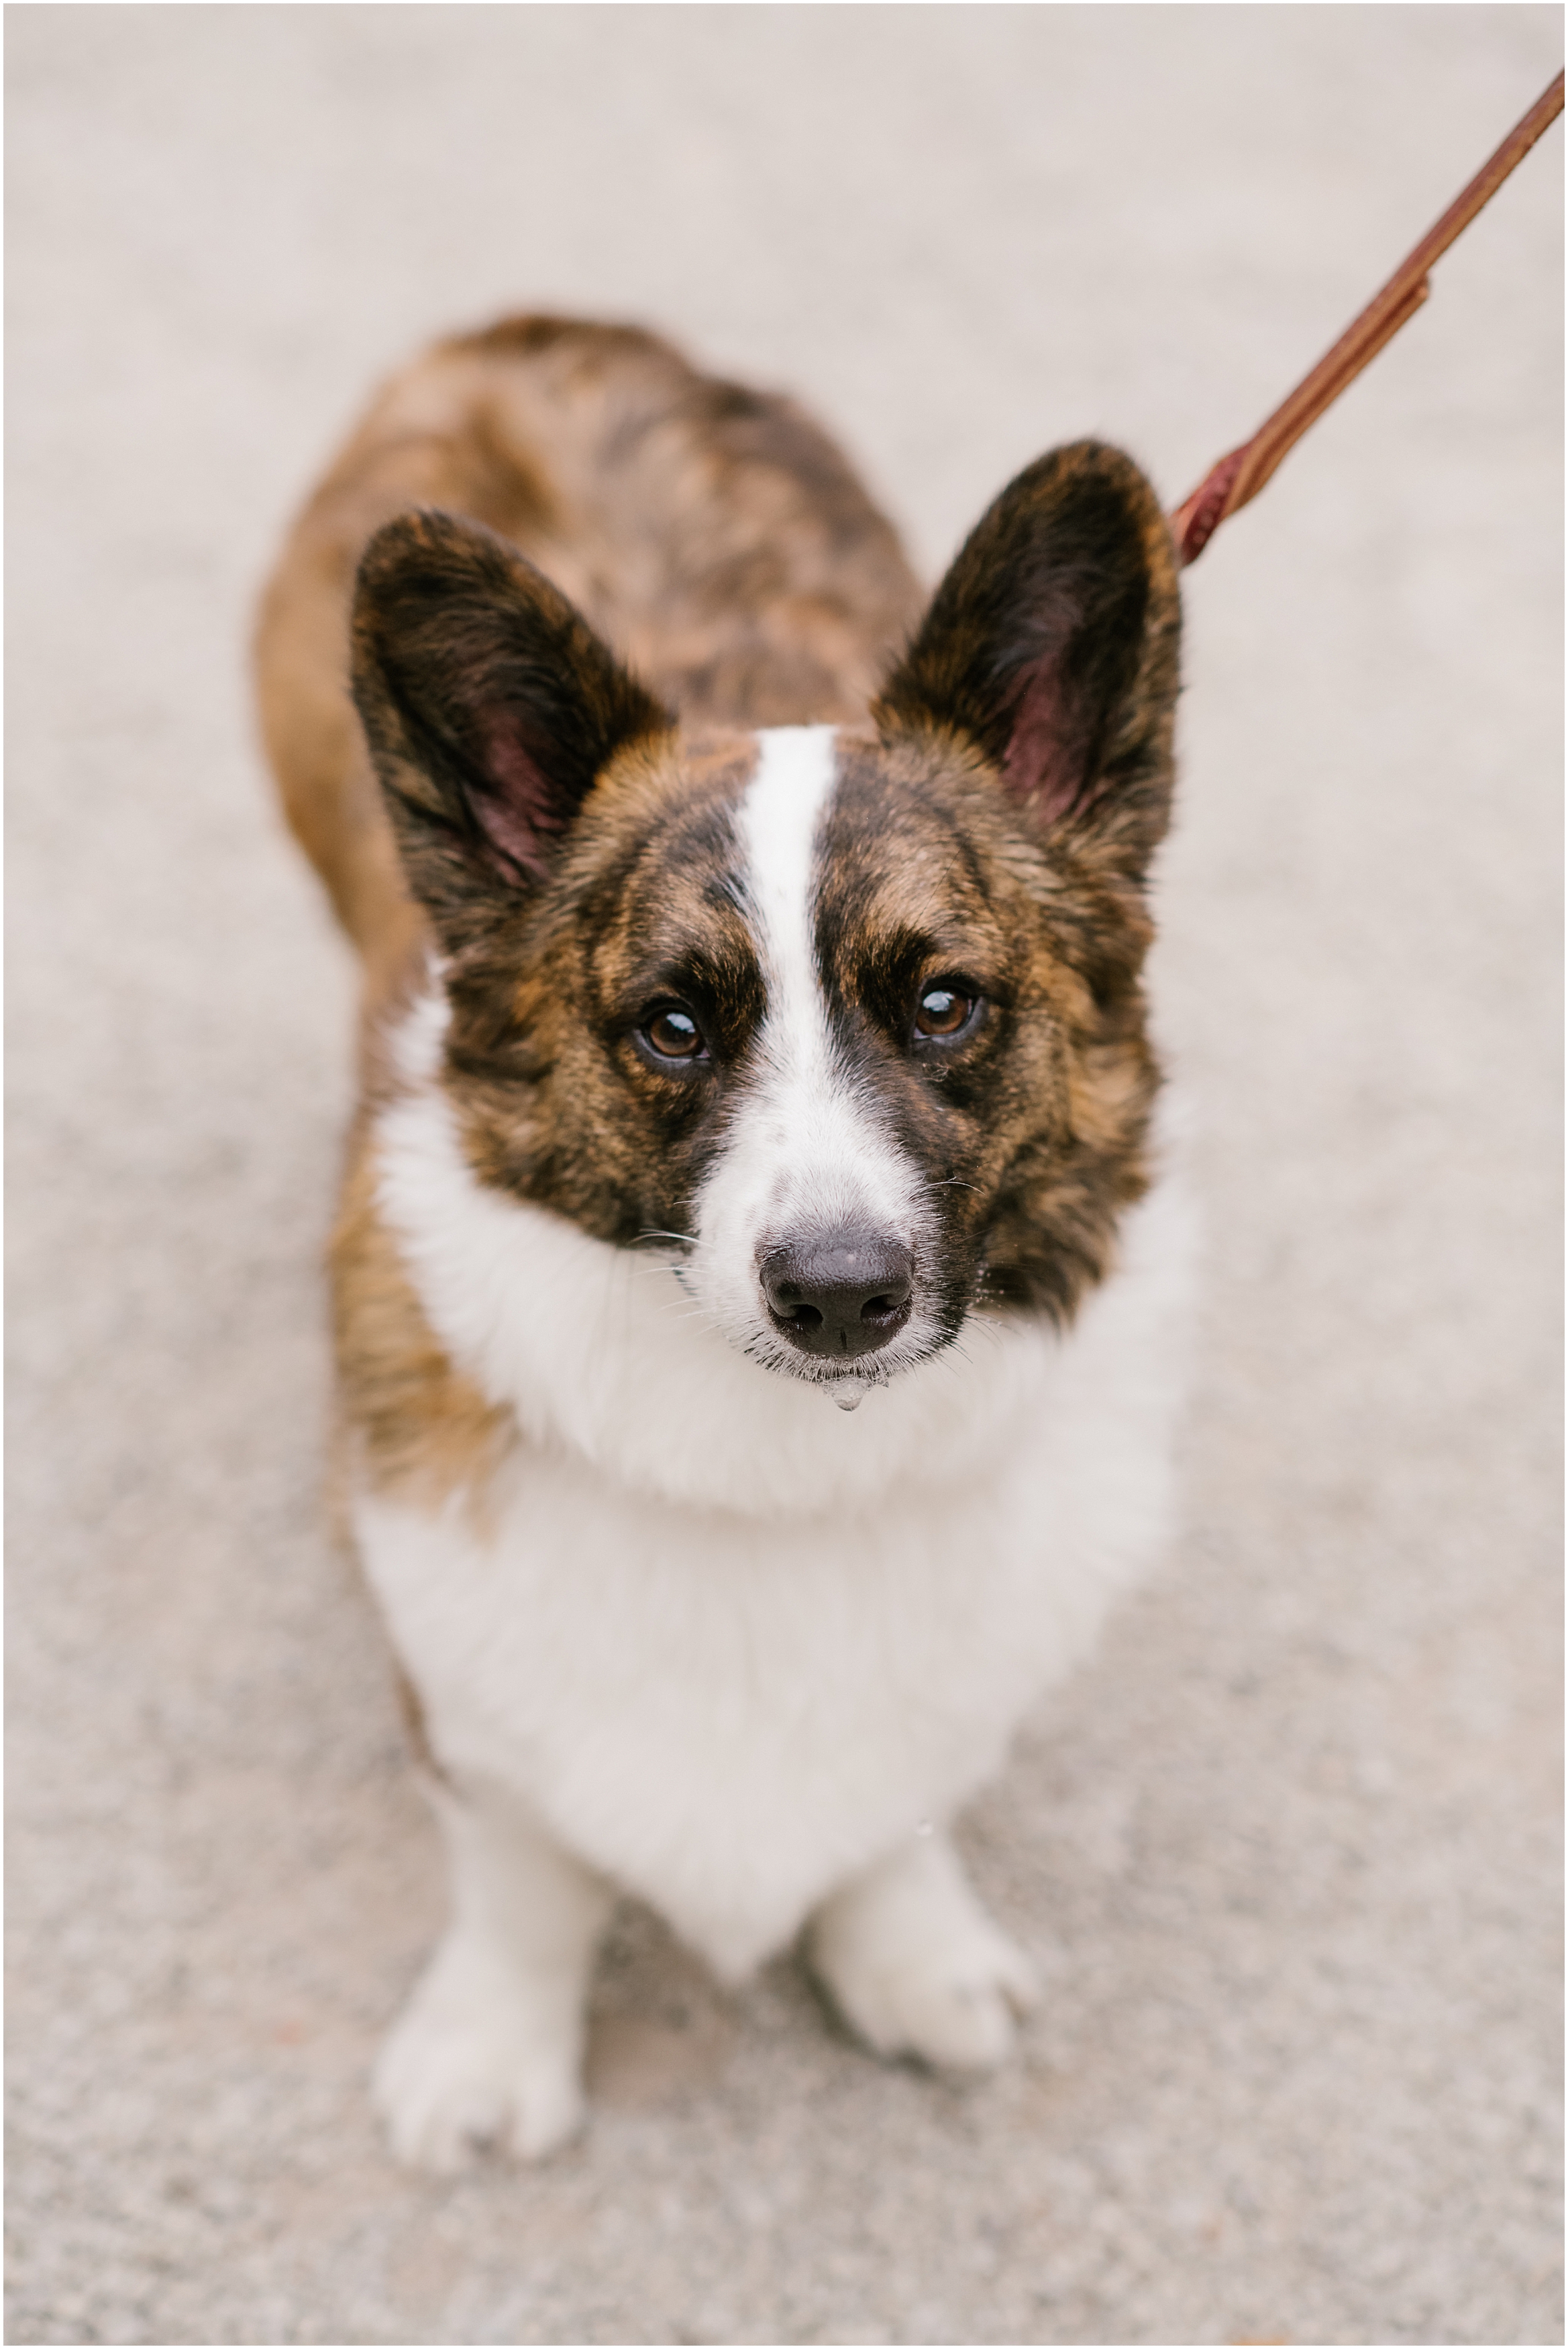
1236	480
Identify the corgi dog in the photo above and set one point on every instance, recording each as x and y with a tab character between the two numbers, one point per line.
756	1290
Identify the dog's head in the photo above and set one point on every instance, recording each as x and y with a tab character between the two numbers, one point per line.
848	1019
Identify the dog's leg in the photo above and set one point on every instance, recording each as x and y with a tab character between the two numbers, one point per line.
915	1965
489	2050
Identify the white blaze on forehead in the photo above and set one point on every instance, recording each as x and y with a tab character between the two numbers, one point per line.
809	1150
777	821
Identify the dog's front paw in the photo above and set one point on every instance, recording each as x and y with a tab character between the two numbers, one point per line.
917	1967
480	2058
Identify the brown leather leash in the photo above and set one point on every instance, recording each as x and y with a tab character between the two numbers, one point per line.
1236	480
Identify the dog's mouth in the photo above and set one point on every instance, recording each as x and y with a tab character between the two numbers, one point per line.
850	1389
907	1337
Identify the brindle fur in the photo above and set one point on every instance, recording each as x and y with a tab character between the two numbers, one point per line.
713	534
574	851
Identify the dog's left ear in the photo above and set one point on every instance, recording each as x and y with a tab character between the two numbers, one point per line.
1052	645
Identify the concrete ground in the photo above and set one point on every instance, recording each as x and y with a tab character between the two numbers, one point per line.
1287	1854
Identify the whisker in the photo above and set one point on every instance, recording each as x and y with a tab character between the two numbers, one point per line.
692	1313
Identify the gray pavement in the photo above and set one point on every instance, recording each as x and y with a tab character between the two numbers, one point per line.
1287	1852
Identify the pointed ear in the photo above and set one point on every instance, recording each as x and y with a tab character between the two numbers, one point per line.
491	708
1052	646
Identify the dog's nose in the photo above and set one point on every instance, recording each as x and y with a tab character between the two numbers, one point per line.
842	1293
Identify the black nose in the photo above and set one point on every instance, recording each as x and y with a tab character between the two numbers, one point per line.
843	1293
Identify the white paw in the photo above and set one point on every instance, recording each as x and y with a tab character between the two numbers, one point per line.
953	2006
480	2058
917	1967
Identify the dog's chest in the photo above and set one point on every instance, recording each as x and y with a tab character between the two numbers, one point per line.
728	1712
724	1714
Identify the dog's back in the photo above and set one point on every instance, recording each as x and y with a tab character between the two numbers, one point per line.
713	535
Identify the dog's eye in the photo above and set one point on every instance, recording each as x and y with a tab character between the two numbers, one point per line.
673	1034
945	1012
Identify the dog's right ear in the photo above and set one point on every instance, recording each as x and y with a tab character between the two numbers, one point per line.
491	708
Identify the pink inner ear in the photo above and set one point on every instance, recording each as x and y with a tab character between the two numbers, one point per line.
519	812
1045	756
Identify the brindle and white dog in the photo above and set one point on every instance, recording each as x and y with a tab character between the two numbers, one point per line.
753	1025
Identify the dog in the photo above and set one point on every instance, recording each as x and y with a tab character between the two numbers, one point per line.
756	1294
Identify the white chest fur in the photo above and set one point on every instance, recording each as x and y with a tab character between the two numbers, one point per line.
729	1642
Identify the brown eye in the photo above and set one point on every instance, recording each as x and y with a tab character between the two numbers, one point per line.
674	1034
944	1011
